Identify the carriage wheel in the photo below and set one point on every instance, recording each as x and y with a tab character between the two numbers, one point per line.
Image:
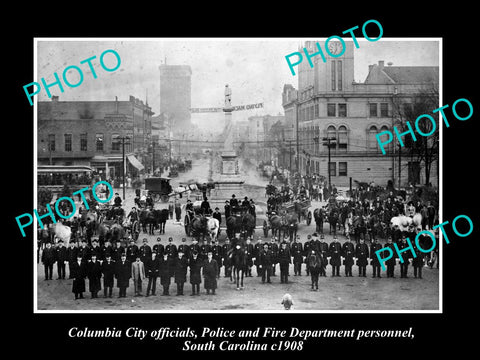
187	225
265	228
309	218
164	198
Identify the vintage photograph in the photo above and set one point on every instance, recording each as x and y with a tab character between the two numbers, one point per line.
201	175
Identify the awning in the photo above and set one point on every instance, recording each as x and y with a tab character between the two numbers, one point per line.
134	161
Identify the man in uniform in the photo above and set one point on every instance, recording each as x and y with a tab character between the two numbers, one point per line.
132	251
297	253
323	253
348	252
180	272
145	251
227	263
256	251
274	247
307	247
418	261
216	250
335	251
406	255
195	265
106	250
393	260
158	248
194	247
61	258
284	259
210	270
84	251
72	251
183	247
361	253
374	247
266	262
249	251
171	251
96	249
204	249
117	251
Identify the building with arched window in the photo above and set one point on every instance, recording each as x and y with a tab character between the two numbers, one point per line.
330	107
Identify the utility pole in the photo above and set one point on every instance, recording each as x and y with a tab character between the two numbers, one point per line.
327	141
123	138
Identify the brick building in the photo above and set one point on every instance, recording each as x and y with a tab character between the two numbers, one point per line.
329	104
90	133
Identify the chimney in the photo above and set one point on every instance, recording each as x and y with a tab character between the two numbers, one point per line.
381	64
370	67
54	97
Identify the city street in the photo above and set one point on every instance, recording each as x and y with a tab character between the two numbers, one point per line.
338	293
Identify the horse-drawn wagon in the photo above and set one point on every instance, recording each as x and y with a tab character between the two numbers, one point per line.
158	187
300	207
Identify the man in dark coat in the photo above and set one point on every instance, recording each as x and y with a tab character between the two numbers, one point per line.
117	251
348	252
335	251
227	262
145	251
78	274
284	259
48	259
249	251
374	259
406	255
183	247
132	251
164	267
257	249
106	250
297	253
180	272
152	269
61	259
195	265
123	274
217	215
210	270
266	260
194	247
323	253
227	209
418	261
94	274
204	249
362	253
307	247
71	257
158	248
233	204
108	270
393	260
216	250
273	246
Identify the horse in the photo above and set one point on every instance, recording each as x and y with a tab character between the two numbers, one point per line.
199	226
148	217
213	226
234	224
333	220
248	224
359	226
161	217
63	232
290	225
239	265
276	224
319	216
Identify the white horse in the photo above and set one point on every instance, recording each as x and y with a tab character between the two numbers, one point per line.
213	226
63	232
404	222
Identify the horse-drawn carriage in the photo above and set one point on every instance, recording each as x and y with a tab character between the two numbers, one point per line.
158	187
300	207
197	224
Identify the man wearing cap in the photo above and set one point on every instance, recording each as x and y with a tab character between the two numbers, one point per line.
158	248
227	263
145	251
189	208
84	251
249	250
132	251
362	253
138	275
393	260
78	274
178	210
217	215
418	261
95	249
284	259
266	262
194	247
216	250
61	259
348	252
297	253
117	201
273	246
323	252
335	251
117	251
108	271
257	249
245	203
210	270
152	270
180	272
205	207
183	247
406	255
374	247
204	249
106	250
48	259
195	265
94	274
123	273
307	247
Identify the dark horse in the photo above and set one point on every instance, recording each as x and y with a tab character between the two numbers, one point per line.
154	218
239	265
319	216
234	225
248	225
199	226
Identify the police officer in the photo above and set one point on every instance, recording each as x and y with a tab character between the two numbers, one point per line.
374	247
226	257
362	253
184	248
158	248
335	251
348	252
297	253
323	252
61	259
284	259
145	251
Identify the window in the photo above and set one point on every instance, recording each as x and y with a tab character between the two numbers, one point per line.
51	142
387	147
342	137
333	75
332	134
342	169
332	168
68	142
115	142
373	110
339	75
372	140
331	110
316	110
99	142
342	110
384	109
83	142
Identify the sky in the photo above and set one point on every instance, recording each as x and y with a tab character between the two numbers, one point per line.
254	68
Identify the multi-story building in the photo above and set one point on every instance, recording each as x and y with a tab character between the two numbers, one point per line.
175	95
330	107
93	133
